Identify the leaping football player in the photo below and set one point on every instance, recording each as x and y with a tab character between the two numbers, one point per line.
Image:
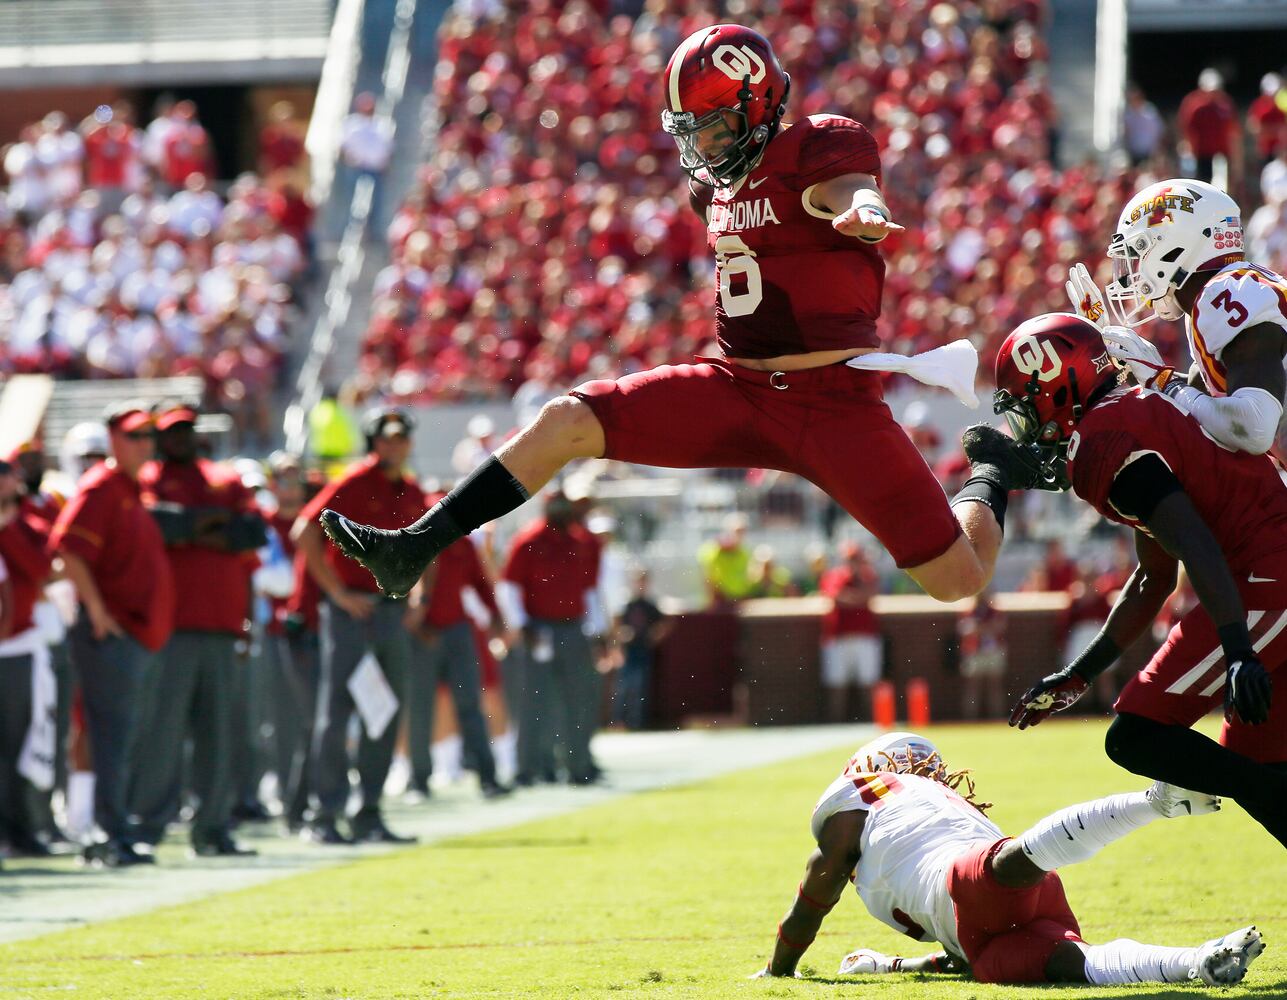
794	215
1177	254
1135	456
925	860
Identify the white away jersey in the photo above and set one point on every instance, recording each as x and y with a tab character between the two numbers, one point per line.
1240	296
915	829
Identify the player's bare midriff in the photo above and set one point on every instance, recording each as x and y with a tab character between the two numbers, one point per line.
799	362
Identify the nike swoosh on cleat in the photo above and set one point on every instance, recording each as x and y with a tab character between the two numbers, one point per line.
349	531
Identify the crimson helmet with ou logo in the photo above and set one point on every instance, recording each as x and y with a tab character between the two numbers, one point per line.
725	67
1048	372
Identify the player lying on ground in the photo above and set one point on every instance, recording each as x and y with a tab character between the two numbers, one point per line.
926	861
793	213
1177	253
1139	460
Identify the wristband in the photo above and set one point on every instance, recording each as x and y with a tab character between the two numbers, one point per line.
1162	379
1236	641
791	944
1095	658
811	902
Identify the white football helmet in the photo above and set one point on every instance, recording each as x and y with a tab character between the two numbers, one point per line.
899	753
1165	233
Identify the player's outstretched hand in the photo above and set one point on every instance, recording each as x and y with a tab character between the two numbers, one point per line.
1086	298
1248	691
866	223
1134	353
1049	695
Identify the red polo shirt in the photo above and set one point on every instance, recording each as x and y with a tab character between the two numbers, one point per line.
456	568
553	567
842	621
220	581
22	545
1208	120
367	495
107	526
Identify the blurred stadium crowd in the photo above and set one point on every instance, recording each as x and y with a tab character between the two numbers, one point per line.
547	240
119	258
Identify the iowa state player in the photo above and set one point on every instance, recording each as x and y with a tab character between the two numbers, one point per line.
1177	252
926	861
793	215
1134	456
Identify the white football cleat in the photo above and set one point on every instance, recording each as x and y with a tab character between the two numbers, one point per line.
1172	800
865	962
1224	961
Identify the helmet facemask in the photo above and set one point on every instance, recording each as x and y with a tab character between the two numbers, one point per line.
1048	446
1137	295
737	158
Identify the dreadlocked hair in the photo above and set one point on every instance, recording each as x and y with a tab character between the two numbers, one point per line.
935	769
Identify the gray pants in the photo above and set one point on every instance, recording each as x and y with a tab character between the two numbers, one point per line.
558	700
111	674
190	694
452	658
250	722
39	804
297	656
345	640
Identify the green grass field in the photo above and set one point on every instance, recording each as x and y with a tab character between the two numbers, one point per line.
673	893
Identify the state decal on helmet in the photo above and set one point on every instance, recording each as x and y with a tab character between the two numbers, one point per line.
723	68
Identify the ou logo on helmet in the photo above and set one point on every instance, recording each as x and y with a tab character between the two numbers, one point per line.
1029	358
738	62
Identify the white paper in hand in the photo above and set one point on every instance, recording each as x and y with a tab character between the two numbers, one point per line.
376	703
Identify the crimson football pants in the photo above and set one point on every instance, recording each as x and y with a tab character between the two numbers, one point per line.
829	425
1007	934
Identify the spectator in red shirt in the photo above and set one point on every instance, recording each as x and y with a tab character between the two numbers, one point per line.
112	551
548	589
1208	121
211	529
852	651
281	141
112	151
1267	117
186	149
1056	573
448	654
356	621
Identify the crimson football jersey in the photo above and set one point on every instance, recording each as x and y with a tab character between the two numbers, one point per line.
1240	496
787	283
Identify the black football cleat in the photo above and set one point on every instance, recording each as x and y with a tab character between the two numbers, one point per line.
1021	465
394	560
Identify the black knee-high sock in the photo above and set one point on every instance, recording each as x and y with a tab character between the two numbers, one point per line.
1188	759
489	492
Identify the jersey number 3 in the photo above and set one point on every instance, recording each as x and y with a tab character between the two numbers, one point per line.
738	297
1235	309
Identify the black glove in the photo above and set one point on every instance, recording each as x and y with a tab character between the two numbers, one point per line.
177	523
1049	695
246	532
1248	690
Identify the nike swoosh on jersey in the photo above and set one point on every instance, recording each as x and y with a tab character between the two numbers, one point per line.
752	185
1260	579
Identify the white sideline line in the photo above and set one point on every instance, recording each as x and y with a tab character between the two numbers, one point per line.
41	897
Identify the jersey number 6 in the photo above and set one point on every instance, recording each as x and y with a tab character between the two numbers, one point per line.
735	257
